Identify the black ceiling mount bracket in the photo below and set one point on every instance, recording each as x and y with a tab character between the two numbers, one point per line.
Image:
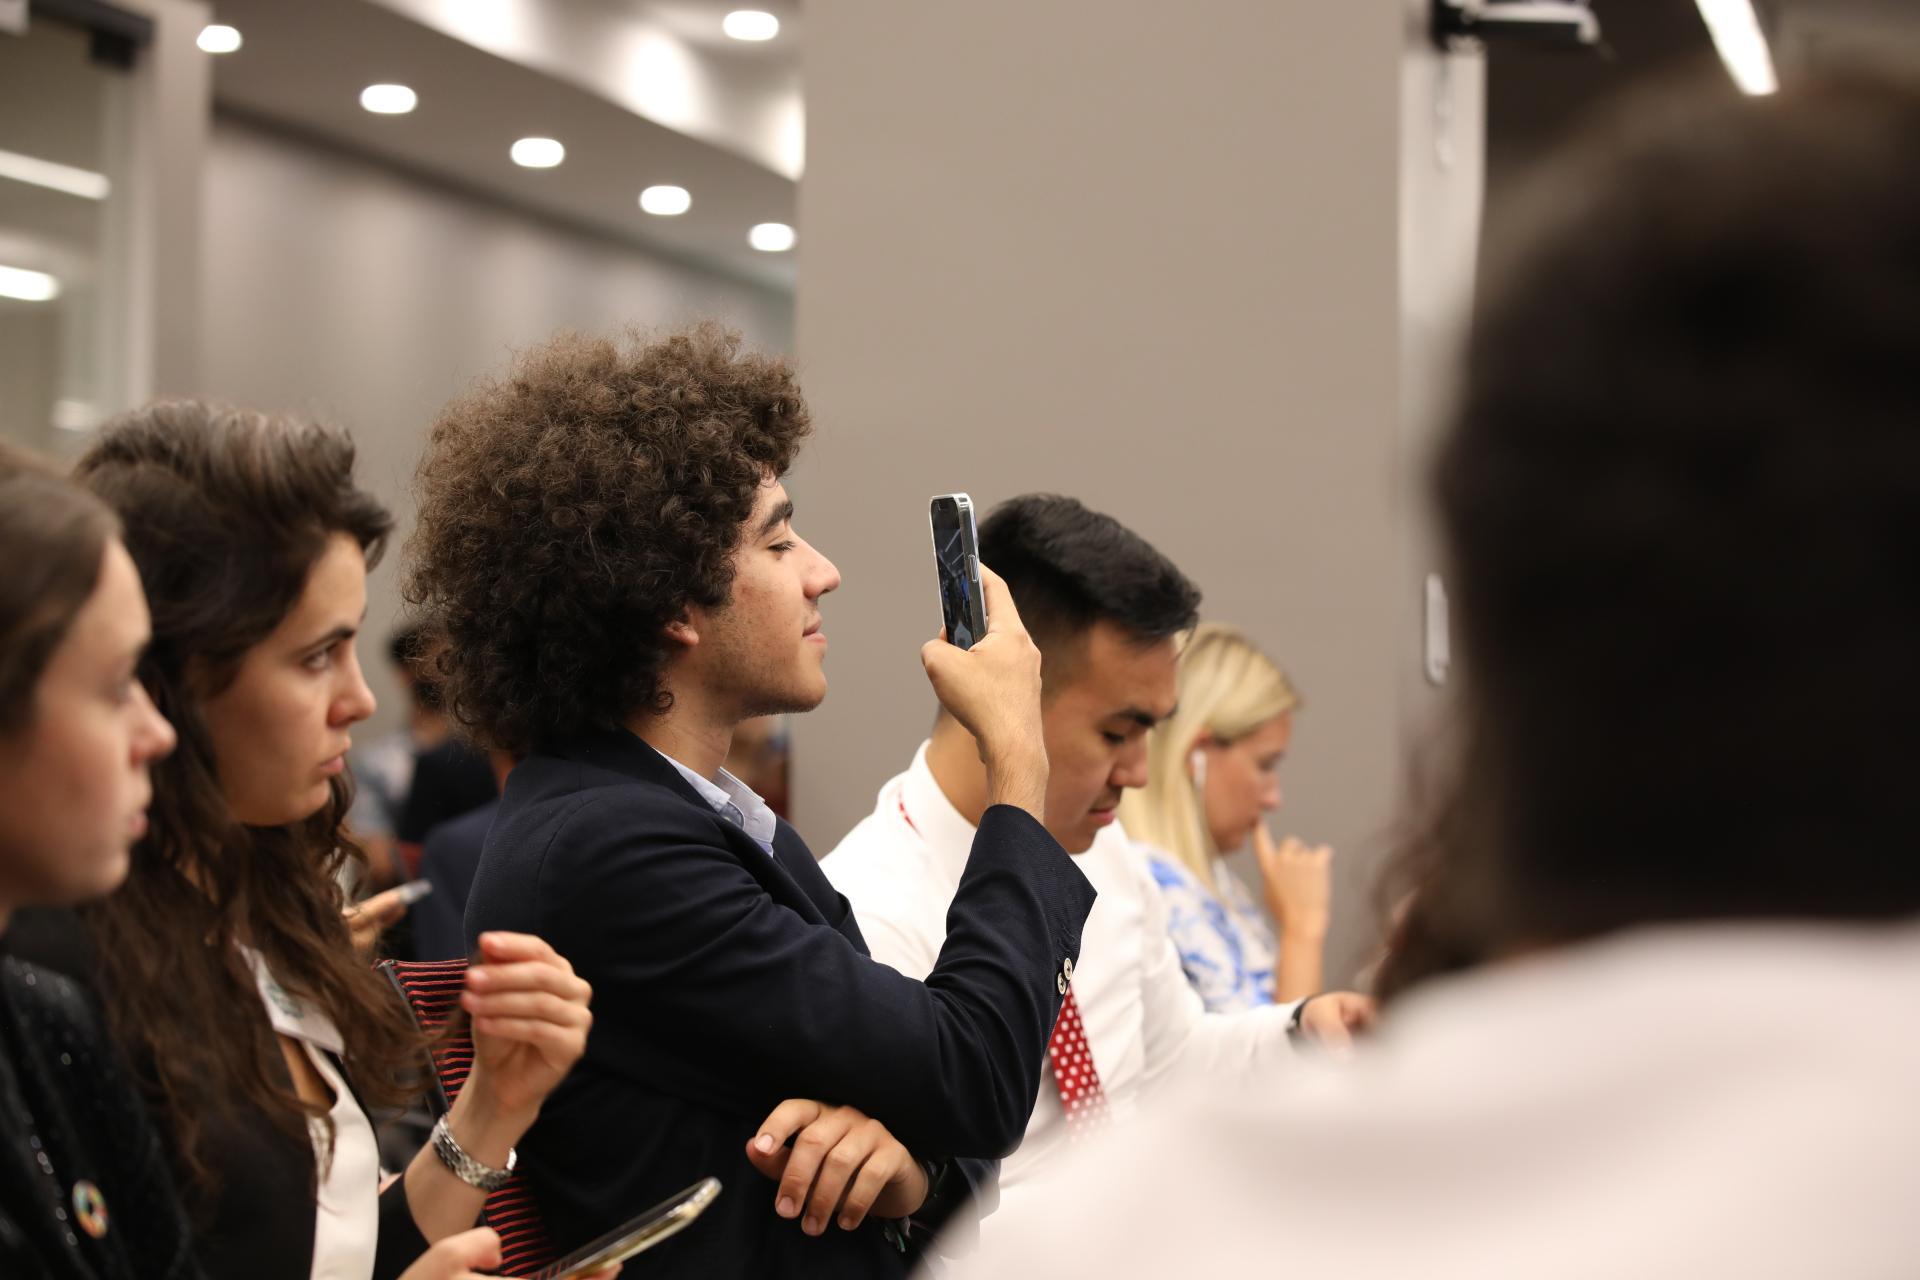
118	35
1566	24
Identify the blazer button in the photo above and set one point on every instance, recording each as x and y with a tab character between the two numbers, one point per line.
1066	967
1060	983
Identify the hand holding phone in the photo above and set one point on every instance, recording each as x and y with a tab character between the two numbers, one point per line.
993	690
368	919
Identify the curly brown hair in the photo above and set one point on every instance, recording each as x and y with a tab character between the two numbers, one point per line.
225	512
572	508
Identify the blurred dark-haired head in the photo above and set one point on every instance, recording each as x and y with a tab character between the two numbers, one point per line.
77	733
1682	501
53	534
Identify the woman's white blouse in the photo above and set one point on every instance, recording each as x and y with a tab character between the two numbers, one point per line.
346	1225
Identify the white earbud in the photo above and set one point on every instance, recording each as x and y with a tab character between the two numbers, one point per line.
1199	762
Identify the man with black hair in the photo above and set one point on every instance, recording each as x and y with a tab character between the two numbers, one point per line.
1107	611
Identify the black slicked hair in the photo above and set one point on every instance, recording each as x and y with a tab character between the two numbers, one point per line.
1069	568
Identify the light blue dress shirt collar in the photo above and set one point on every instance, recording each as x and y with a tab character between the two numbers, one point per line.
733	800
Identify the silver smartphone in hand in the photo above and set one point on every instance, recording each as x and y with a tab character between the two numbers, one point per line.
956	558
667	1219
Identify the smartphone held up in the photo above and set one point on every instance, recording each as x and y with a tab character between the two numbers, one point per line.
956	558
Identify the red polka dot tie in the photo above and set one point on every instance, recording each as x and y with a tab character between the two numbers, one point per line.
1078	1079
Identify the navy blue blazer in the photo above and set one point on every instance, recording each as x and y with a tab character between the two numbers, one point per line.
448	861
726	979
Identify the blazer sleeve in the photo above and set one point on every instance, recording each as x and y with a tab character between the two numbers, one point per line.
685	946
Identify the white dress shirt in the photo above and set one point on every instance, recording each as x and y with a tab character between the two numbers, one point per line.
1676	1104
900	868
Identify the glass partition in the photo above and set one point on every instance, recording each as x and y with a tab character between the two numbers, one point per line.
63	280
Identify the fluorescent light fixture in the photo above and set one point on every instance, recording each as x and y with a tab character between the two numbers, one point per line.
750	24
218	38
389	99
667	202
1743	46
771	237
84	183
538	153
28	286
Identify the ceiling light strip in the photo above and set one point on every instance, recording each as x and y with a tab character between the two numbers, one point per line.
28	286
34	171
1736	32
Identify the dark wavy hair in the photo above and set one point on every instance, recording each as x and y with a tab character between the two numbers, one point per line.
226	513
1682	501
574	507
52	538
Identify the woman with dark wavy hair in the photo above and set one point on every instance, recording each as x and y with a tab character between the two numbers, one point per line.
225	962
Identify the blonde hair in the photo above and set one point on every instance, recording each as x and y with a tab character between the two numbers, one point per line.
1228	688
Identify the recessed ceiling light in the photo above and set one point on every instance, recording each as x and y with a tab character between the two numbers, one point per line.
28	286
771	237
538	153
389	99
217	38
750	24
668	202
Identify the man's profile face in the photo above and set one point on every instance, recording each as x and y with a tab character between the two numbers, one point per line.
1110	691
764	650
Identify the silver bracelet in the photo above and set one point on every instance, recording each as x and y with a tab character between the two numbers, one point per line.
465	1167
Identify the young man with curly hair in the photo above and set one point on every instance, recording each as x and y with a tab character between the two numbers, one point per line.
605	542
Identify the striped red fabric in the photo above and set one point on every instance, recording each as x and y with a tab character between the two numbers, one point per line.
432	990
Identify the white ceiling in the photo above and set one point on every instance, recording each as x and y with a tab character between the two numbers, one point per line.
491	71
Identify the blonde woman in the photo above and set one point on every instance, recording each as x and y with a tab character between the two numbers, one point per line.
1212	776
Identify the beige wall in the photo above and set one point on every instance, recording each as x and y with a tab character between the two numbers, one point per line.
340	288
1150	256
29	365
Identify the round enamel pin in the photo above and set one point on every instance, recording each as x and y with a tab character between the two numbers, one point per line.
90	1209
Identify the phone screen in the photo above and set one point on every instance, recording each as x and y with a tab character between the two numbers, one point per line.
956	557
668	1218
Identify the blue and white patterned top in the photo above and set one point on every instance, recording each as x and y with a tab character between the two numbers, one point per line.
1226	945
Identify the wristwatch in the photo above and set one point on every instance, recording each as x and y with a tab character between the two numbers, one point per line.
465	1167
1293	1023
